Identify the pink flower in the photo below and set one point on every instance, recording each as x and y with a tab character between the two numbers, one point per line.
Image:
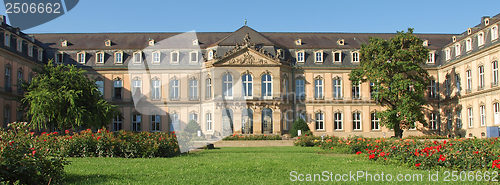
359	152
418	164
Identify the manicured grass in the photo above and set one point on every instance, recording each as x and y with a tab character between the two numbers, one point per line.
263	165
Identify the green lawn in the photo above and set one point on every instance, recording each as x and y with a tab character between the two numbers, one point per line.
265	165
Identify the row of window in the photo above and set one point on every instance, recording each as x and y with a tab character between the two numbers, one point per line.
482	114
318	56
20	79
137	57
468	42
19	46
338	124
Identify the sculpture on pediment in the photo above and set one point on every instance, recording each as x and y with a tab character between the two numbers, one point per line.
246	40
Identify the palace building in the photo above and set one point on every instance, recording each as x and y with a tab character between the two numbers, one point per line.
254	82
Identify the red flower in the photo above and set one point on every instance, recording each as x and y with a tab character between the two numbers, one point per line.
10	143
357	153
441	158
43	133
417	154
476	152
331	147
371	156
66	131
33	152
418	164
496	164
98	137
55	133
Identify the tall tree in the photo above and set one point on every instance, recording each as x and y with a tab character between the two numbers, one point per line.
62	97
395	67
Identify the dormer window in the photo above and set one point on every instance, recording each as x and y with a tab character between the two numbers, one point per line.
107	43
118	57
99	57
318	56
6	40
174	57
487	21
156	57
454	39
137	57
447	53
59	58
425	43
193	57
30	50
480	39
340	42
300	56
457	49
40	54
19	45
468	44
80	57
337	56
298	42
195	42
64	43
469	31
281	53
355	56
431	58
151	42
494	32
210	55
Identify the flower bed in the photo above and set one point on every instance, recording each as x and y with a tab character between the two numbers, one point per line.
252	137
459	154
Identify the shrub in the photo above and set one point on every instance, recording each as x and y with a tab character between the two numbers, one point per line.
298	124
26	160
253	137
192	127
308	140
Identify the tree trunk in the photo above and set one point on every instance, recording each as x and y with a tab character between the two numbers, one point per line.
398	132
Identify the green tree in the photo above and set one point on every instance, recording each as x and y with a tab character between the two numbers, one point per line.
299	124
62	97
192	127
395	68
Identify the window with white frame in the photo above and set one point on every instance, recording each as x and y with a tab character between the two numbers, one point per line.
318	88
118	57
481	76
320	122
174	89
174	122
136	122
174	57
155	123
355	56
267	86
247	85
337	88
337	56
81	57
193	116
300	88
432	89
208	88
431	58
300	56
469	80
6	40
356	90
156	88
469	117
193	89
156	57
208	118
193	57
100	86
468	44
447	53
99	57
494	32
356	121
117	89
30	50
375	121
496	111
117	123
337	121
433	120
19	45
494	71
40	54
136	87
318	56
227	86
482	114
137	57
59	58
459	119
458	50
480	39
210	55
458	84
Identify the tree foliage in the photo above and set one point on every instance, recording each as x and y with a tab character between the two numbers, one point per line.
395	68
298	124
62	97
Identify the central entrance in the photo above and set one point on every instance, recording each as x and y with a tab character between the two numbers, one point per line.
267	121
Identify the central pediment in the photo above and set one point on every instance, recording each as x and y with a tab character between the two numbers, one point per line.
247	56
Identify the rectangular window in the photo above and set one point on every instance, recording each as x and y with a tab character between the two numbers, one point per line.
375	121
99	58
40	54
81	57
337	88
174	57
337	121
318	89
458	84
432	89
355	57
209	121
193	89
6	40
136	122
193	57
356	90
469	80
227	86
373	91
117	123
118	85
320	124
156	89
433	121
247	86
318	56
300	56
100	86
174	90
482	113
156	57
267	86
459	119
447	88
356	121
193	117
494	69
137	57
155	123
136	87
20	81
118	57
447	53
8	79
431	58
468	44
480	39
496	113
59	58
458	50
469	117
337	56
300	89
208	88
494	33
481	77
30	50
19	45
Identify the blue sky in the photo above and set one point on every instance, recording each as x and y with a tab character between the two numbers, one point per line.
437	16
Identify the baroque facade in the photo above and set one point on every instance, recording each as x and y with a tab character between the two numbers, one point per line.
259	82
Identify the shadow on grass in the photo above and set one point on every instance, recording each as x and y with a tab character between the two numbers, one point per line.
87	179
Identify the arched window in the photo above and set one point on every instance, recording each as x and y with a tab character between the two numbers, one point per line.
375	121
320	121
337	121
208	88
247	85
267	86
356	120
356	90
156	88
227	86
481	77
247	121
494	69
318	88
469	80
337	88
227	122
267	121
